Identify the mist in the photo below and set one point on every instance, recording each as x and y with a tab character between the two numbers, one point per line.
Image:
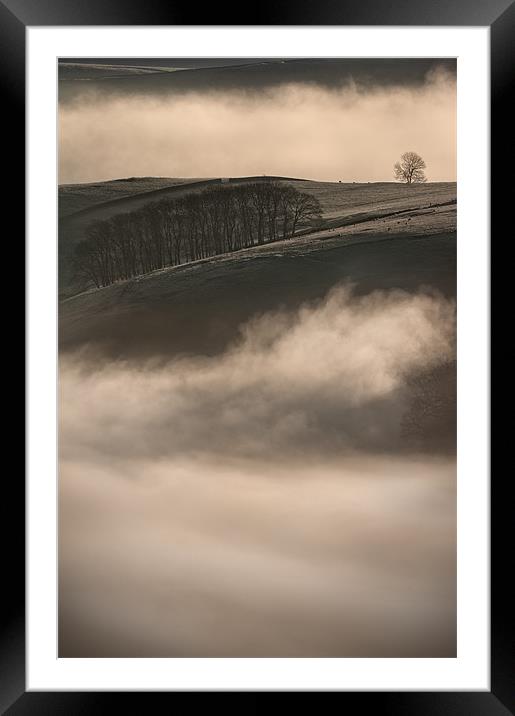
266	501
349	133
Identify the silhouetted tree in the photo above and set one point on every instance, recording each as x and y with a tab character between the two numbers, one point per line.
410	169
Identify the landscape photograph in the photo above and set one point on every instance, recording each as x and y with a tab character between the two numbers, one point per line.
257	357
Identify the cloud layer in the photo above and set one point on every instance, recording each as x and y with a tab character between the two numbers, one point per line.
258	503
330	376
348	133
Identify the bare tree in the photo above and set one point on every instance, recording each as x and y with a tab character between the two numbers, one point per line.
172	231
304	209
410	169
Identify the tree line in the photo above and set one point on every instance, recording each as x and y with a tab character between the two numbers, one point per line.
202	224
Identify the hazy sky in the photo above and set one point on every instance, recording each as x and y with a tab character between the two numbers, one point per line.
343	120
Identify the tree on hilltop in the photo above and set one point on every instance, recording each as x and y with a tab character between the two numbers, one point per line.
410	169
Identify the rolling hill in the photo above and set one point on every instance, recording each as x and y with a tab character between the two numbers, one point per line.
347	209
378	236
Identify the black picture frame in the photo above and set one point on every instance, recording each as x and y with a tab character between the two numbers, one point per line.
499	15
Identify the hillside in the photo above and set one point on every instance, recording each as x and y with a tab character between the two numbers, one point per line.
78	197
375	235
80	71
389	205
199	307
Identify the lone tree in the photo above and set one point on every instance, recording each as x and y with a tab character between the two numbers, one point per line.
410	169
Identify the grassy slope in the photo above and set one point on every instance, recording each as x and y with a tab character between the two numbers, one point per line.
77	71
199	307
342	205
338	200
77	197
332	253
345	200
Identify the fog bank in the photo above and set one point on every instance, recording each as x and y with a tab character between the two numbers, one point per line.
258	503
348	133
328	377
173	558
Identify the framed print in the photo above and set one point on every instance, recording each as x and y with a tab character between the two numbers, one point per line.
258	448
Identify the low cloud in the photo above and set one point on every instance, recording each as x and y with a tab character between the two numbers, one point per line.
330	376
258	503
349	133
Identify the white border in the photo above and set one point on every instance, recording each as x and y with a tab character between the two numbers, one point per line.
470	670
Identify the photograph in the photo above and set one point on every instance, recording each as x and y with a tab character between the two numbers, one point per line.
257	357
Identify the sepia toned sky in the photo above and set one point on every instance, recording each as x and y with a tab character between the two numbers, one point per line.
329	120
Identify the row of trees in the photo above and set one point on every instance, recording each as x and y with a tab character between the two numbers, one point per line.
174	231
